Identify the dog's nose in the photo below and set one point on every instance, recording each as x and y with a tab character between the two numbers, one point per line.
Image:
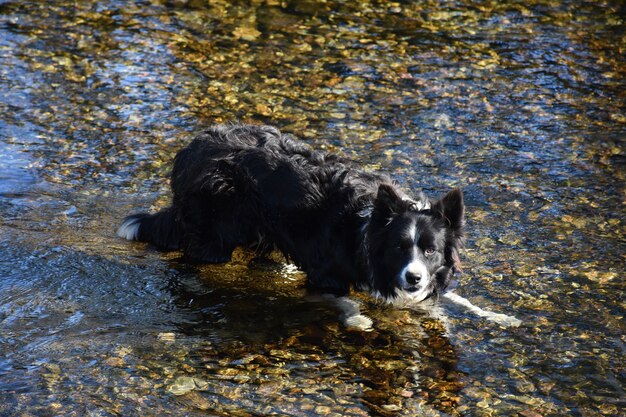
412	278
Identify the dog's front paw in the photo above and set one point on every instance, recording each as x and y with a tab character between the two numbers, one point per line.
359	322
350	313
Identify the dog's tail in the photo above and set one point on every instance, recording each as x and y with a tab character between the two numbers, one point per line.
162	229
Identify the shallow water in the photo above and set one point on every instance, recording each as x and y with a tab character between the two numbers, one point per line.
519	103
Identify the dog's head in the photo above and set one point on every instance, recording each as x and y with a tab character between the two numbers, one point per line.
413	246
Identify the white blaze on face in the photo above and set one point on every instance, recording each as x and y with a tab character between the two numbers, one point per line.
423	286
420	269
417	268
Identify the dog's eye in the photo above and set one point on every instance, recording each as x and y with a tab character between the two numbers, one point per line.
429	251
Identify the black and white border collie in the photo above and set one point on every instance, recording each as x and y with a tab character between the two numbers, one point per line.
243	185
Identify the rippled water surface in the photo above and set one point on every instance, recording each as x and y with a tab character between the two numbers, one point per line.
520	103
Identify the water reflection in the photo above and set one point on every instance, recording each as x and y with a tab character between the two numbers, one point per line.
277	342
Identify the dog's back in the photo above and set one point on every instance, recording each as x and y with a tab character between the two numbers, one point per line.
250	185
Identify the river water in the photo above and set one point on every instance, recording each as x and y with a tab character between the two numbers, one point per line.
520	103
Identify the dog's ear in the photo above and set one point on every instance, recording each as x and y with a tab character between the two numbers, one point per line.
452	209
388	202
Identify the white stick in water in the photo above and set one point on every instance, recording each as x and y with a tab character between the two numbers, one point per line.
501	319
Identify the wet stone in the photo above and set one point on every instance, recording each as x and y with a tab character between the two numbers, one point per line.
182	385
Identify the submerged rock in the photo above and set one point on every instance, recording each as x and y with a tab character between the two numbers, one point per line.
184	384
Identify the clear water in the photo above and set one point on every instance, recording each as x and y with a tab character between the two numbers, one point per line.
520	103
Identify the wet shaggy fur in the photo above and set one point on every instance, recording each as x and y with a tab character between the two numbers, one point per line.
241	185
